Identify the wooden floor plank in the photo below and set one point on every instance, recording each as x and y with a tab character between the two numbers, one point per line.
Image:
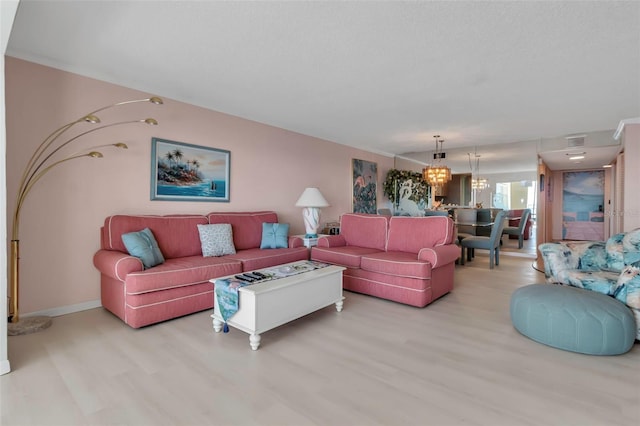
459	361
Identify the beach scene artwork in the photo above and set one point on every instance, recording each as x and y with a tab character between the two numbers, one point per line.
187	172
583	205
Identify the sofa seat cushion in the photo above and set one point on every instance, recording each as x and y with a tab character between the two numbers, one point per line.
391	282
181	271
348	256
396	263
257	258
599	281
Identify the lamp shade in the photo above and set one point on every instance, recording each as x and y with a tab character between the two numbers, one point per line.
312	197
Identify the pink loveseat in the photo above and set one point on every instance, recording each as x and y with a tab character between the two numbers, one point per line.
405	259
180	285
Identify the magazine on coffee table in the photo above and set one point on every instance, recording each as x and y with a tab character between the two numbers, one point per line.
289	270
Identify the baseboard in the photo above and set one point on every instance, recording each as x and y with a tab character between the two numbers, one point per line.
516	254
507	254
4	367
63	310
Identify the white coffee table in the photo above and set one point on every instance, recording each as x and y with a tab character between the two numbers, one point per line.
269	304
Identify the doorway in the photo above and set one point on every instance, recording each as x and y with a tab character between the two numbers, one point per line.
583	205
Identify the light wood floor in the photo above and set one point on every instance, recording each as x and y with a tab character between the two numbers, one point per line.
459	361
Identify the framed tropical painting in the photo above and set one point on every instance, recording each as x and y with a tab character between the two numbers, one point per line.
184	172
365	178
583	205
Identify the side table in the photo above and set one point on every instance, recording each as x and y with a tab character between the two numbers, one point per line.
310	242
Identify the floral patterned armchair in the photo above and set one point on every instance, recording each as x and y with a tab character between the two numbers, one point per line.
611	267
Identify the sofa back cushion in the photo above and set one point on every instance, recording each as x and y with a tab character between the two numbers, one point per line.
410	234
246	226
364	230
615	261
177	235
631	248
623	250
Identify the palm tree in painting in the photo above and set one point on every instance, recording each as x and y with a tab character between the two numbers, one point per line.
177	154
169	156
178	170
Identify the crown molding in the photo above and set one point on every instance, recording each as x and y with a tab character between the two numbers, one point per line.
621	125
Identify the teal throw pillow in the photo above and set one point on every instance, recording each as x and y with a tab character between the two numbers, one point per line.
143	245
275	235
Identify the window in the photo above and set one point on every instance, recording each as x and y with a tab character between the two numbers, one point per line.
515	195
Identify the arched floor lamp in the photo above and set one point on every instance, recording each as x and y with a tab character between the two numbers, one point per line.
42	161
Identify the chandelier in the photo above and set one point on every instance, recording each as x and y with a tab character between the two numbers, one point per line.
437	174
477	183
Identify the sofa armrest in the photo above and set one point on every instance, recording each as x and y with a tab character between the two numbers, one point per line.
439	255
332	241
116	264
582	256
557	257
295	242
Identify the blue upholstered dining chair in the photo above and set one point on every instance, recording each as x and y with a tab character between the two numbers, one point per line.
519	230
491	243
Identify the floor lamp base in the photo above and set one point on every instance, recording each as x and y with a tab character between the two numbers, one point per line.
28	325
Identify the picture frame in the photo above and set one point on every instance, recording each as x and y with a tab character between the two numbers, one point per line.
364	186
583	205
185	172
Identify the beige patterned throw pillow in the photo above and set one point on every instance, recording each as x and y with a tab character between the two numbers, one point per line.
216	239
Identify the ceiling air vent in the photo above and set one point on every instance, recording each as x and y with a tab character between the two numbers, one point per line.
574	141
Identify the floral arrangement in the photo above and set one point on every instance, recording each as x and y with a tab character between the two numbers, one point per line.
394	180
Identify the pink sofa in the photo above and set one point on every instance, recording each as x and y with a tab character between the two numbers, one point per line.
405	259
180	285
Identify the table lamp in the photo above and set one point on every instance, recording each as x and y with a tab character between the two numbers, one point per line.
311	199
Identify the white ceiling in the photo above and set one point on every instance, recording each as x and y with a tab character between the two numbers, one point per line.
383	76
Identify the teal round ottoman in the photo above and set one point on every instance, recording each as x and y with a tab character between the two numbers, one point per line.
573	319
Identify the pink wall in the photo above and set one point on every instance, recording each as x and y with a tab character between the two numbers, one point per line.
60	220
631	212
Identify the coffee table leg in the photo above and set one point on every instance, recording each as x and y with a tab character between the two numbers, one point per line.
339	306
254	341
217	325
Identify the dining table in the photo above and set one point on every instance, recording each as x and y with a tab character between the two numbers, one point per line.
474	225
